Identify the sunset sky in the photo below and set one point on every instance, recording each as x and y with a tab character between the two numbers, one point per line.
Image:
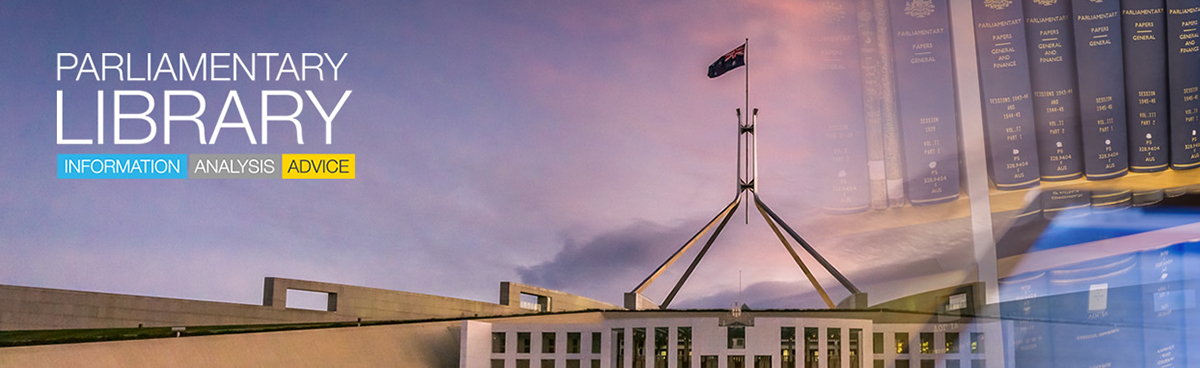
572	145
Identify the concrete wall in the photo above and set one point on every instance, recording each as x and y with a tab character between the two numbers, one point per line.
430	344
380	304
510	295
475	334
30	308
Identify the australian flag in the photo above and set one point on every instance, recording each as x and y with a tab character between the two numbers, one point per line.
730	61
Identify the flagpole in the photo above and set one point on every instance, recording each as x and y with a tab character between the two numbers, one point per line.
749	120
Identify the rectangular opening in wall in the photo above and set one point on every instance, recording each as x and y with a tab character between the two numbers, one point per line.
834	347
926	343
596	343
573	342
661	335
498	341
736	337
618	348
639	347
811	350
877	343
549	342
855	349
952	343
311	300
902	343
684	350
976	343
535	302
787	346
762	361
524	341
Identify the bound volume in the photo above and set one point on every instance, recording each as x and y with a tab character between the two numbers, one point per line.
1099	59
1004	80
925	90
846	175
1052	77
1183	60
1145	84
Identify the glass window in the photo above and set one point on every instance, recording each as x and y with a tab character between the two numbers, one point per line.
952	363
976	343
978	363
548	342
877	341
573	363
573	342
522	363
595	363
661	334
927	363
639	347
596	343
684	337
498	342
855	336
497	363
762	361
901	363
708	361
523	342
787	346
926	343
547	363
833	343
737	361
618	350
878	363
737	337
952	343
901	343
811	350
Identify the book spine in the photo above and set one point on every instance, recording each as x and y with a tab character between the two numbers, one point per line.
925	91
1096	308
1100	64
869	56
846	173
1051	38
1145	49
1004	82
1183	56
889	109
1163	307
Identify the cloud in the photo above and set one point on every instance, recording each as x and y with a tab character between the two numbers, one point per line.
609	264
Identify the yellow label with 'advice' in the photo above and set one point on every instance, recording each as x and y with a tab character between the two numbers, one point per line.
318	166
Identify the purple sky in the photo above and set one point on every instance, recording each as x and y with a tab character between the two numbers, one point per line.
567	144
